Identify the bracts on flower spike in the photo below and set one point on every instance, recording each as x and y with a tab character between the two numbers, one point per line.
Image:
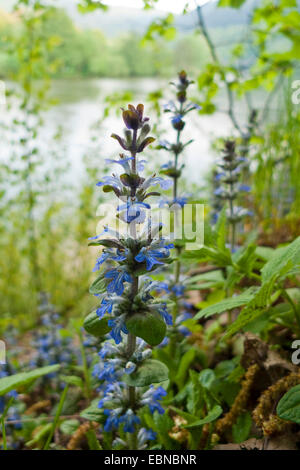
128	315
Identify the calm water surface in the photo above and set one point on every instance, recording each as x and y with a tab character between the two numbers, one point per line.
81	105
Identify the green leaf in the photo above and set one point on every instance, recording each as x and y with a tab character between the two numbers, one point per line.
69	426
241	429
92	440
289	406
57	415
99	285
72	380
14	382
206	280
264	252
231	3
227	304
221	231
94	326
149	372
282	260
214	413
254	309
150	327
246	258
184	365
93	412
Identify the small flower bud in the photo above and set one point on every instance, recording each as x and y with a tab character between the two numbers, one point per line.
130	367
146	354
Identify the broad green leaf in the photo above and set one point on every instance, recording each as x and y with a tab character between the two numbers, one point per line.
214	414
254	309
283	259
227	304
99	285
149	372
289	406
149	326
14	382
264	252
94	326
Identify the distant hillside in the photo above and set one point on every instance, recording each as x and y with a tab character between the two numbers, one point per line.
118	20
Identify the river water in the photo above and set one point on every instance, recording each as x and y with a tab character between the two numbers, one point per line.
81	105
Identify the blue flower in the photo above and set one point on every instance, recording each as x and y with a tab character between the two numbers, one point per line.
162	286
219	191
107	349
110	181
181	201
153	181
165	314
101	260
165	144
145	435
151	398
106	307
114	419
152	256
133	211
105	371
118	326
129	420
178	290
124	162
244	187
117	283
177	118
170	106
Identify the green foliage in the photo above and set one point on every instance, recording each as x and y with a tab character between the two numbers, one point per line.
227	304
231	3
282	264
241	429
93	413
69	426
149	326
214	413
289	406
23	379
56	418
94	326
149	372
